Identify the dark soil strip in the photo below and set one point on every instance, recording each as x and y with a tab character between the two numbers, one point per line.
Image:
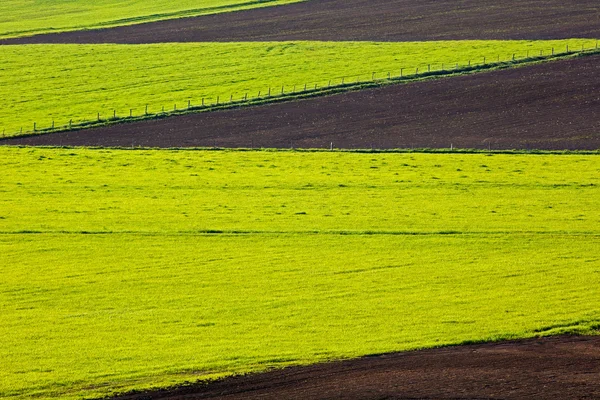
563	368
549	106
375	20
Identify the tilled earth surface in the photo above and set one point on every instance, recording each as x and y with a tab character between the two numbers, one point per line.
373	20
564	367
552	106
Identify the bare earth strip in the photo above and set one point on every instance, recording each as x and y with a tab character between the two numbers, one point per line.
371	20
566	367
551	106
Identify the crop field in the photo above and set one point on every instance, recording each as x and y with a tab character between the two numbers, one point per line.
118	277
530	107
46	84
26	17
224	231
362	20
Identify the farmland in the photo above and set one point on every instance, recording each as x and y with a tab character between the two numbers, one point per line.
363	20
341	199
22	17
530	107
116	80
116	277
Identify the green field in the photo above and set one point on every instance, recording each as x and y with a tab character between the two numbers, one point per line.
45	83
128	269
27	17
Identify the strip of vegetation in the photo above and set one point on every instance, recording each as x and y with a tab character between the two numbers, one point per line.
25	18
117	83
137	275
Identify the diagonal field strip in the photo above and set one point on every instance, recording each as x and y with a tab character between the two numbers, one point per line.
533	107
100	83
24	18
149	268
362	20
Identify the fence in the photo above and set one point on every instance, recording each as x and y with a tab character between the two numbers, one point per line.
333	85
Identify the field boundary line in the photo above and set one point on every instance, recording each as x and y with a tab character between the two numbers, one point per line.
426	150
233	232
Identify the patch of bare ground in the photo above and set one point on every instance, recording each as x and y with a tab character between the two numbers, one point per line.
563	367
371	20
548	106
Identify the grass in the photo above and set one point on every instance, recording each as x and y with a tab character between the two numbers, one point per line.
112	282
58	84
26	17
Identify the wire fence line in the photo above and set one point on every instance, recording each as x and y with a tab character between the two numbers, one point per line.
283	92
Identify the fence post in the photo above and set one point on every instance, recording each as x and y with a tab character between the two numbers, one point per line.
428	67
417	71
553	51
258	96
484	60
269	94
401	72
217	100
52	124
189	104
131	112
175	107
246	96
567	48
513	58
114	114
282	89
98	117
305	87
389	75
146	110
373	76
231	99
342	81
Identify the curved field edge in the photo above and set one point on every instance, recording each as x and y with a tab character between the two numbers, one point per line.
20	18
523	367
95	84
90	315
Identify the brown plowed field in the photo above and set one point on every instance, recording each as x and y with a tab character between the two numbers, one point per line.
374	20
553	106
562	368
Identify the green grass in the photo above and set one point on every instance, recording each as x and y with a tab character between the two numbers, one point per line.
26	17
45	83
110	281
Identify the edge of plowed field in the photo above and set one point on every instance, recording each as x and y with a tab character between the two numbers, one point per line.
520	368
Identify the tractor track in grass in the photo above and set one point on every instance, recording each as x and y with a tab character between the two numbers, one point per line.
561	367
361	20
547	106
